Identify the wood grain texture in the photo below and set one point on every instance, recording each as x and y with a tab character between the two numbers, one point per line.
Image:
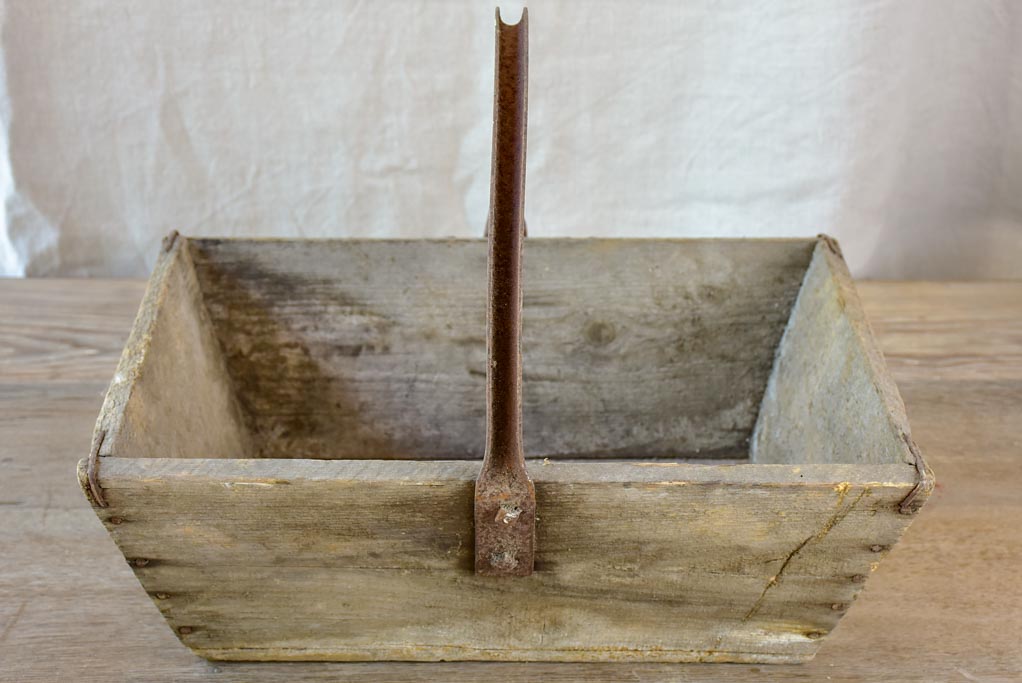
943	606
376	349
344	560
830	397
709	564
171	395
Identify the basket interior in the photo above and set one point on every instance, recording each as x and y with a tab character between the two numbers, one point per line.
631	349
373	349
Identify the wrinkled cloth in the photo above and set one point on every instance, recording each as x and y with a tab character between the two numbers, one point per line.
894	125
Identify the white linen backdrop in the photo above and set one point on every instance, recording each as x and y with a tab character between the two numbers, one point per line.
895	125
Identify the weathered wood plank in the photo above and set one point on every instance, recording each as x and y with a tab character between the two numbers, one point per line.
375	349
347	559
171	395
830	397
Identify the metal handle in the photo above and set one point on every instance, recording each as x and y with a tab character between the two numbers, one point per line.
505	498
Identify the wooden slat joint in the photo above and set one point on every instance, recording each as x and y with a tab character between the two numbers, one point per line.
168	241
924	482
831	243
92	470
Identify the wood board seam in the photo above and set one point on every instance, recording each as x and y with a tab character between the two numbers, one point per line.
924	483
757	427
92	469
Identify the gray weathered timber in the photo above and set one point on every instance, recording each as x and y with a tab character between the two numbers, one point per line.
248	357
300	559
171	395
376	349
830	398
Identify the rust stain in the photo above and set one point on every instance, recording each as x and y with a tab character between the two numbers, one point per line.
505	498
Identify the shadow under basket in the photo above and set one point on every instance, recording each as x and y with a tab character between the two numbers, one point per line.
287	453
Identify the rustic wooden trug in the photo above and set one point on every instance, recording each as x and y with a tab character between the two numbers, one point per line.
287	455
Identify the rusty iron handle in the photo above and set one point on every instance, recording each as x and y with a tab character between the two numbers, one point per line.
505	498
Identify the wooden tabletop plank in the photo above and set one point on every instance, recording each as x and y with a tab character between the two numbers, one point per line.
946	605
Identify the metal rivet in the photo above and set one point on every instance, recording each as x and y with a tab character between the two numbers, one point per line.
814	635
162	596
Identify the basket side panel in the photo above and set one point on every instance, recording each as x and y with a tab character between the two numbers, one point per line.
830	398
171	395
357	560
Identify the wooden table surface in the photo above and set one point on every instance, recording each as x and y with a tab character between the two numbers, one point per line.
946	605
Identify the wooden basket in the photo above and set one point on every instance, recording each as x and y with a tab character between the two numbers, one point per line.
286	455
